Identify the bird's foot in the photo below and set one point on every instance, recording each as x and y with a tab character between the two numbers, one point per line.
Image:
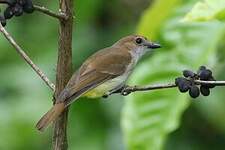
123	90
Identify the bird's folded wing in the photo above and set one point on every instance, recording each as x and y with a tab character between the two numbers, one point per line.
93	73
91	81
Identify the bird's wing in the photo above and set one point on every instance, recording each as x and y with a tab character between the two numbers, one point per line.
93	73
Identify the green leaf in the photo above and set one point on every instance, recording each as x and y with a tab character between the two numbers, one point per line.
207	10
152	19
148	117
212	107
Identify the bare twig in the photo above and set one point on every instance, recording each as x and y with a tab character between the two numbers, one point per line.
126	90
130	89
64	70
217	83
46	11
26	58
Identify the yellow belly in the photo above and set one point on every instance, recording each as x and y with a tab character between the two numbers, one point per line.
100	90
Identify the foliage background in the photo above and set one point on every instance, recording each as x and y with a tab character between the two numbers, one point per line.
164	119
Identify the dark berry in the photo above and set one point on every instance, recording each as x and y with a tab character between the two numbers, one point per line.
28	6
205	74
21	2
179	79
18	10
188	73
183	84
3	21
204	90
183	87
194	91
8	13
200	69
11	2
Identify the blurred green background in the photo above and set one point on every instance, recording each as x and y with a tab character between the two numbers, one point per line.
191	32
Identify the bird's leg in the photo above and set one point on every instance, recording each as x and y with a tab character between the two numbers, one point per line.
119	89
53	98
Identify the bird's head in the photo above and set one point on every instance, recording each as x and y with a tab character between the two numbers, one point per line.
137	44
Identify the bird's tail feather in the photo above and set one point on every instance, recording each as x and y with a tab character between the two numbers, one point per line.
50	116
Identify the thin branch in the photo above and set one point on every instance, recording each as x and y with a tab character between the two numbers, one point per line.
148	87
26	58
217	83
129	89
46	11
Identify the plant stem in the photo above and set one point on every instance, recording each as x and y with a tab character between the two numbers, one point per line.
64	69
50	13
126	90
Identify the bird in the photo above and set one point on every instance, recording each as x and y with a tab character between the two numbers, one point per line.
104	72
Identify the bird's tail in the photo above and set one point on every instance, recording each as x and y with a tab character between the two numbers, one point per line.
50	116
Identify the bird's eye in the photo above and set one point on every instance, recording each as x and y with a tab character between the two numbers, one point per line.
138	40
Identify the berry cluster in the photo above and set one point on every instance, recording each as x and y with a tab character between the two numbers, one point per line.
187	83
16	8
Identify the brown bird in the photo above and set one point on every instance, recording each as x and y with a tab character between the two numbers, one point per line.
103	73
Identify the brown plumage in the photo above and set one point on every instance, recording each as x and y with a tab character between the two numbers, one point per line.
106	70
53	113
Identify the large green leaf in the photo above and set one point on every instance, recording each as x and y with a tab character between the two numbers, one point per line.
148	117
154	16
207	10
212	107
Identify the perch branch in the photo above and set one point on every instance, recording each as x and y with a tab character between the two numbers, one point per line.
129	89
46	11
21	52
217	83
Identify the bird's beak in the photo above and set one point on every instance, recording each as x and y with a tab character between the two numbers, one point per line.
152	45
